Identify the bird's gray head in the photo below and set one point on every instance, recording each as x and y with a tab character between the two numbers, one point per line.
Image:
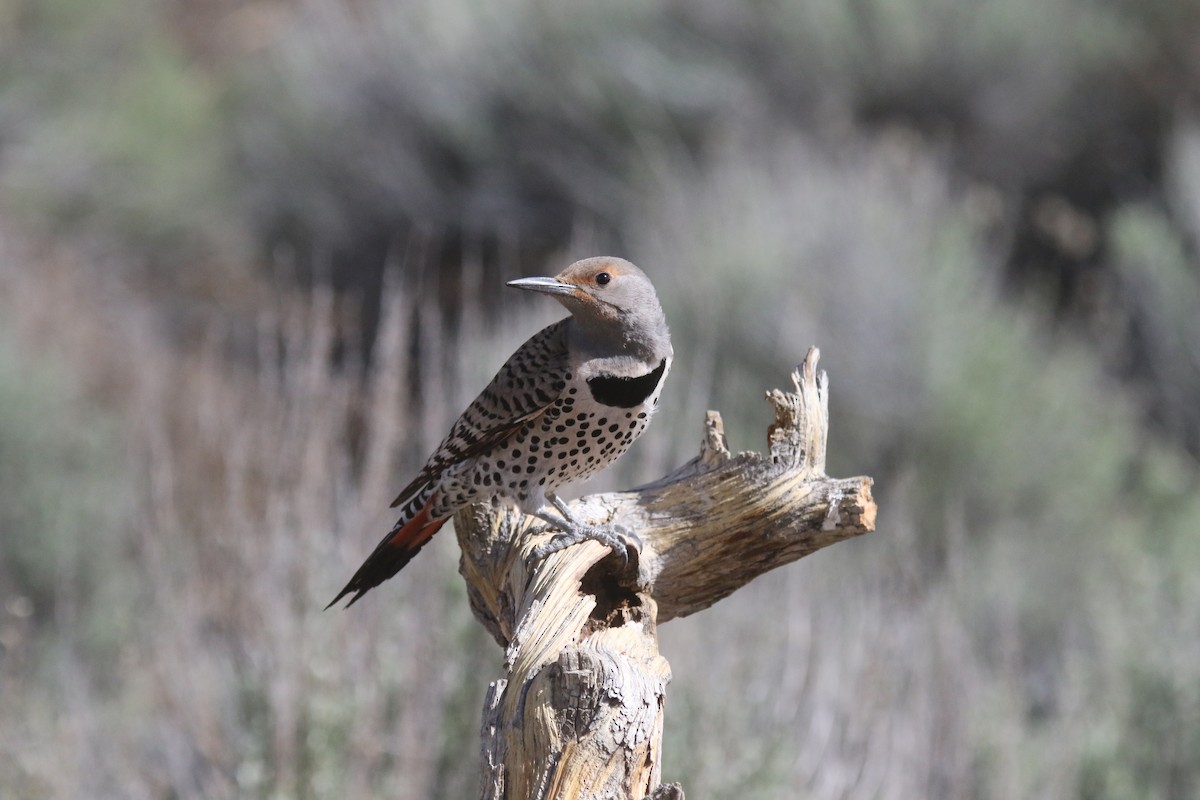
612	301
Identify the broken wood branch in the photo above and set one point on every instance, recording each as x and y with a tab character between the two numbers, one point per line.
579	713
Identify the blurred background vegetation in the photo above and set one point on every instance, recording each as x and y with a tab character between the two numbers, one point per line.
251	264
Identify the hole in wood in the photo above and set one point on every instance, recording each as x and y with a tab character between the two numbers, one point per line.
610	581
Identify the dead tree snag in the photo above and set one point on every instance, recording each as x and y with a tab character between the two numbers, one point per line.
579	713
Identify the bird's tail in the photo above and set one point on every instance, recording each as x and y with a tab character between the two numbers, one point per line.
415	527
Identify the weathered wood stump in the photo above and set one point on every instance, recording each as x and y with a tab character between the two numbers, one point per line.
579	713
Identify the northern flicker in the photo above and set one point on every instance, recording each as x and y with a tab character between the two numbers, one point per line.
567	403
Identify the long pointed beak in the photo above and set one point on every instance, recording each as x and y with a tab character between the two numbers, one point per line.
544	285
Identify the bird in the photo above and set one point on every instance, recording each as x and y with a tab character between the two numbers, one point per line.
568	402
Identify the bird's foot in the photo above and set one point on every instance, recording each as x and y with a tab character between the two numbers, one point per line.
617	538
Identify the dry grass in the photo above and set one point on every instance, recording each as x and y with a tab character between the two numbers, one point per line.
981	645
250	510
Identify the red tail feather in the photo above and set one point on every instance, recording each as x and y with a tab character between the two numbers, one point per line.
390	556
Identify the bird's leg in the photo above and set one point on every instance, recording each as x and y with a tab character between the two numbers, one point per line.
617	538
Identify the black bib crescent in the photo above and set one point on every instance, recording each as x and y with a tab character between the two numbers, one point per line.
619	392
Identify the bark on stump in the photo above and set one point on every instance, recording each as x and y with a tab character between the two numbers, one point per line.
579	713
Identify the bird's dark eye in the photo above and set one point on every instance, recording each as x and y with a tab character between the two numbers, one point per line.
603	278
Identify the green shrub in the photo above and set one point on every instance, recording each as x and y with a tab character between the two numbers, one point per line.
113	130
63	489
1161	290
1029	530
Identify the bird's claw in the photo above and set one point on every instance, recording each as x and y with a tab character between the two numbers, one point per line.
617	538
